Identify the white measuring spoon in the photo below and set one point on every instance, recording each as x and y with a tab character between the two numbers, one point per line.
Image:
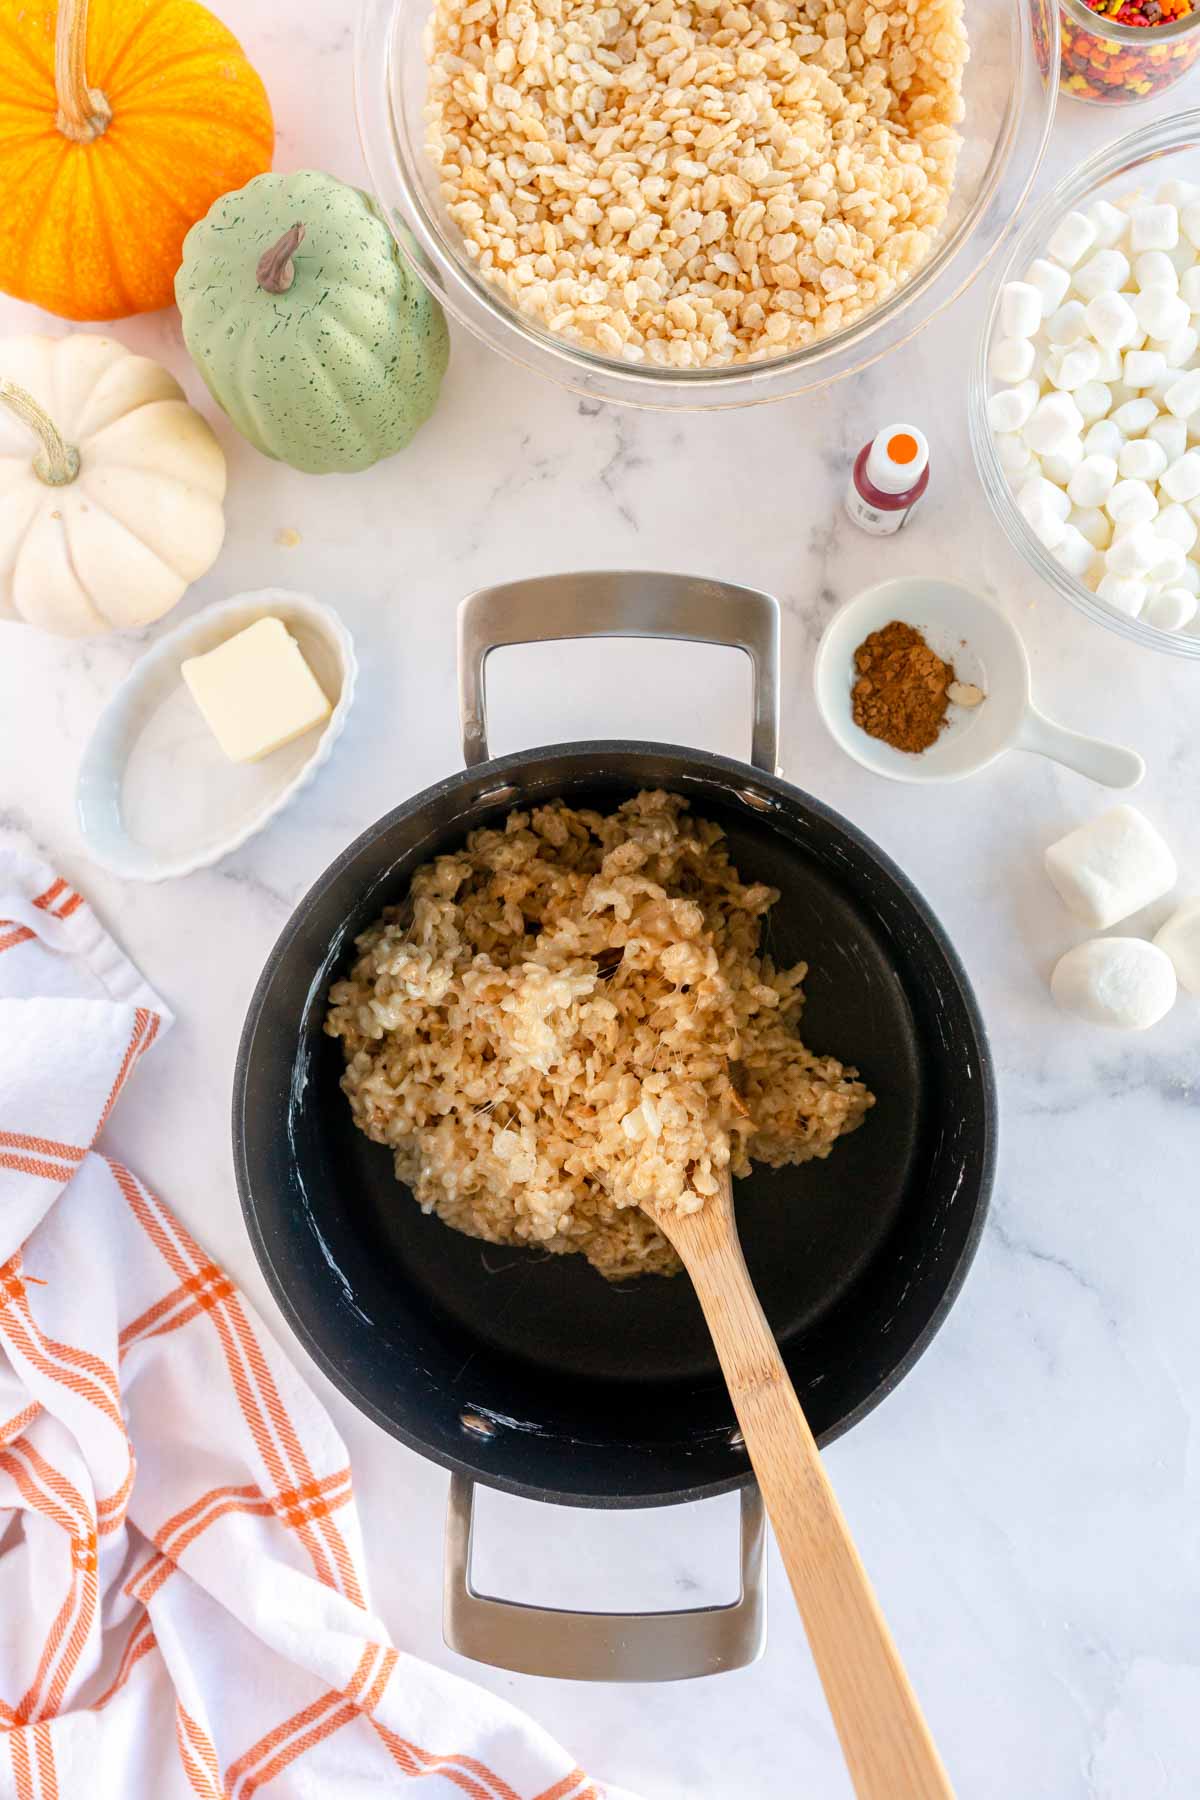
985	648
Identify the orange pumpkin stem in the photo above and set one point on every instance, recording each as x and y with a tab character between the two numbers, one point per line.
83	112
57	462
276	271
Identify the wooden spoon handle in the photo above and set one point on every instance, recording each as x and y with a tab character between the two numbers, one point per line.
884	1737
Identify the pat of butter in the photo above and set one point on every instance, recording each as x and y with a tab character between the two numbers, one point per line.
256	691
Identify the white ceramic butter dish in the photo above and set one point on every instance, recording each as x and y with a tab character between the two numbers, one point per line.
157	796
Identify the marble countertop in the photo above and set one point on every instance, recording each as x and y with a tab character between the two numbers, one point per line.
1027	1500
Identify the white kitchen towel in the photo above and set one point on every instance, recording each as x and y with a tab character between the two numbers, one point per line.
183	1606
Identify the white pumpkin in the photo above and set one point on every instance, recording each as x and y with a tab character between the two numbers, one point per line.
111	486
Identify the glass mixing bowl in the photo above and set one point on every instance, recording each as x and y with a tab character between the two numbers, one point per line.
1009	90
1154	154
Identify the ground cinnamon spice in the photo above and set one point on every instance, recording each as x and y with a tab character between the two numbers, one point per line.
900	695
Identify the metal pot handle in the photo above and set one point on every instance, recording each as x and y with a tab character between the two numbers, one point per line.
601	1646
620	603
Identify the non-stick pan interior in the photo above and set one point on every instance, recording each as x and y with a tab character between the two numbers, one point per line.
593	1391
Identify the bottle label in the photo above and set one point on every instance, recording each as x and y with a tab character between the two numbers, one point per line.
869	518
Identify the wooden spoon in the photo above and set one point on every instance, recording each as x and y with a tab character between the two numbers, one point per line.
884	1737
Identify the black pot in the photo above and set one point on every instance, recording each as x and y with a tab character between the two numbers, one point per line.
533	1374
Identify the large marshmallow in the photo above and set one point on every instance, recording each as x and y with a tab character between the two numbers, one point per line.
1180	938
1123	982
1111	867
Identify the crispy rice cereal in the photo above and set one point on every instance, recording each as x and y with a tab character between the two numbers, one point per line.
572	1014
695	182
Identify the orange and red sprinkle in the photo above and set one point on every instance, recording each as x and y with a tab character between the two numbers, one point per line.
1096	66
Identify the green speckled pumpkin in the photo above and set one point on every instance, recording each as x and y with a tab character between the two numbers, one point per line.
307	324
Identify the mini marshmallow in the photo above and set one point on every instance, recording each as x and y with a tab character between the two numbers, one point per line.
1182	479
1121	394
1074	367
1189	581
1094	400
1103	439
1125	983
1074	236
1093	524
1108	222
1051	282
1011	359
1020	309
1105	273
1170	609
1093	481
1062	463
1189	218
1170	433
1176	524
1111	362
1141	459
1133	417
1152	228
1160	311
1141	368
1184	397
1135	552
1016	458
1111	867
1068	324
1074	552
1011	408
1154	268
1179	350
1125	592
1047	492
1131	503
1112	320
1177	192
1189	286
1169	562
1055	418
1180	939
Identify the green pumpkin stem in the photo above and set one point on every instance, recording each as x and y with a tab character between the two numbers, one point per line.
276	271
83	112
57	462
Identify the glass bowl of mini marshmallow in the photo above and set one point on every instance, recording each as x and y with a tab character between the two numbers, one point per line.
1085	396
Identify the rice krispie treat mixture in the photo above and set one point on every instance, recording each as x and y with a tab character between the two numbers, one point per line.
696	182
573	1014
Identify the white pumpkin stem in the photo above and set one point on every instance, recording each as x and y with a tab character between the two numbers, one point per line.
276	271
83	112
57	462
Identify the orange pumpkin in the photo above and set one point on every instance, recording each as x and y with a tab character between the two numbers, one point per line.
119	127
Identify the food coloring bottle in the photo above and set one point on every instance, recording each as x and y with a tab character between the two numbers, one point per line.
890	475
